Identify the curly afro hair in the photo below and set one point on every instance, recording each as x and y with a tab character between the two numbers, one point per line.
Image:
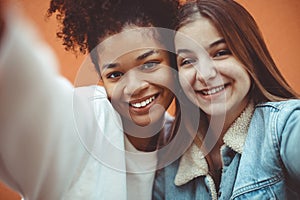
84	22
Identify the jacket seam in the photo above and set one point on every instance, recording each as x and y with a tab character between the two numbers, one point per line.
256	186
275	134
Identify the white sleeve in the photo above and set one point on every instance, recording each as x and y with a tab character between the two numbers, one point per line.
40	151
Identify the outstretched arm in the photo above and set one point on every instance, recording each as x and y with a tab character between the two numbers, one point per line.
40	151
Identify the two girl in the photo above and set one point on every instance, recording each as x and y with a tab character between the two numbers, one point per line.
57	143
247	136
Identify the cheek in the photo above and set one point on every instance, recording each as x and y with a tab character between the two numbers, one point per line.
242	79
164	77
246	84
185	78
169	80
110	90
242	75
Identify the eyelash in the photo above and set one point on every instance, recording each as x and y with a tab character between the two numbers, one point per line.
116	75
149	65
223	52
146	66
187	61
218	55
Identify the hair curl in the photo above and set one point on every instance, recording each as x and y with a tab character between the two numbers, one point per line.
84	22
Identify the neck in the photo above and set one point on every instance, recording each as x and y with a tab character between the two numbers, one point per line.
211	132
215	127
144	144
143	138
219	124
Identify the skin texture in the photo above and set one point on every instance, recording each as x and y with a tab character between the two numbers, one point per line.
85	24
220	84
135	71
219	81
223	57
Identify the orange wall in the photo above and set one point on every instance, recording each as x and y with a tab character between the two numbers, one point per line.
279	21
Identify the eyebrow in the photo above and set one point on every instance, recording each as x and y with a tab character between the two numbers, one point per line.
220	41
109	66
140	57
216	43
146	54
179	51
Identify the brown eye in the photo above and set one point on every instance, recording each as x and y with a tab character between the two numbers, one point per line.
187	61
223	52
114	75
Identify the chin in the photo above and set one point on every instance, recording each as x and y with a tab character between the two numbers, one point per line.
141	122
216	110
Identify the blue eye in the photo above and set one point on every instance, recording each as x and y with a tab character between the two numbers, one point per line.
114	75
149	65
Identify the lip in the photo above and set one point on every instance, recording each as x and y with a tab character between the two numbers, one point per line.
142	105
212	92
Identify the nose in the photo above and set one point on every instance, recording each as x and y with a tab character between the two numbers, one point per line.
134	83
205	70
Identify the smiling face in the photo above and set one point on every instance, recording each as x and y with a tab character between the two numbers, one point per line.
218	82
136	73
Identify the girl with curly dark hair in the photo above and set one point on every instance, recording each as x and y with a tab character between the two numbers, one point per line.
131	48
53	144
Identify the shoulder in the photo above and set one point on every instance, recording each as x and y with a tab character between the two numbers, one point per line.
96	97
91	92
282	110
282	116
279	111
288	105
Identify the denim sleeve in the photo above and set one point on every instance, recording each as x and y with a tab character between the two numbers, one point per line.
290	143
159	186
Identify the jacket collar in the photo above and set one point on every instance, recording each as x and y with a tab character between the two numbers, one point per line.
193	163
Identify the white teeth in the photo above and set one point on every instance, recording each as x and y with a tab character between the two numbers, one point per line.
143	103
214	90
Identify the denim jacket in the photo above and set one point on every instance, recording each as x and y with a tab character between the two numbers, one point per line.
260	162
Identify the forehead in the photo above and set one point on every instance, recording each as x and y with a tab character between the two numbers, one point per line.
127	41
201	32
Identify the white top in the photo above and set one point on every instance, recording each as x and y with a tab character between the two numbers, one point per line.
141	167
54	144
57	142
140	174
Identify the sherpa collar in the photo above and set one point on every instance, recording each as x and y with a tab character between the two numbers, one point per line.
193	164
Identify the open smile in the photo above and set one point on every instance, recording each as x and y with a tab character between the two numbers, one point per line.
213	90
143	102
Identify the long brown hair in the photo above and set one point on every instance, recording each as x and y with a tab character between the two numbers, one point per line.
245	41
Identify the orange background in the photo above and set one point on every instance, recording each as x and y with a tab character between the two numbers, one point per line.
279	21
